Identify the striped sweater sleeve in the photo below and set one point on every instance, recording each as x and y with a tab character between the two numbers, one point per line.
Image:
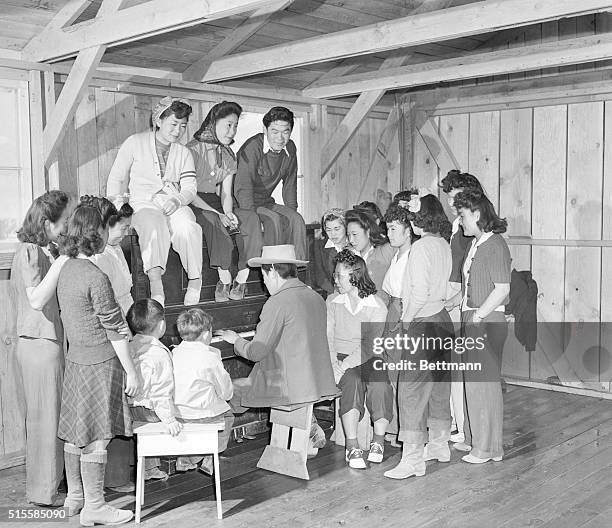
188	183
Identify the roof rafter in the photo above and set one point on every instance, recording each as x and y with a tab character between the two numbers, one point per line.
550	54
434	26
133	23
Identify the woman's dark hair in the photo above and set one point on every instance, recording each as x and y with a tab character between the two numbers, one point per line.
404	196
108	211
367	223
371	208
431	217
218	111
178	108
360	278
82	232
401	215
489	221
49	206
460	180
285	270
278	113
144	315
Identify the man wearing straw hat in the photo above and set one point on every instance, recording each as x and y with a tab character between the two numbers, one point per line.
290	350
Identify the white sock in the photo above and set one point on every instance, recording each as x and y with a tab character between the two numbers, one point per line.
157	289
195	284
224	276
242	275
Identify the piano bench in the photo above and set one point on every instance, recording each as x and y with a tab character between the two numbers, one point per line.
285	456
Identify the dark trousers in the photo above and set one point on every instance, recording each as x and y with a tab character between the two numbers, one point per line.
357	382
219	242
250	229
283	225
484	404
394	313
424	395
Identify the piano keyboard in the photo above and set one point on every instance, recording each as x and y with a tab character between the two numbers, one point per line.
249	333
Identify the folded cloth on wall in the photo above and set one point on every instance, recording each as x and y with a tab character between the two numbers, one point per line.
523	305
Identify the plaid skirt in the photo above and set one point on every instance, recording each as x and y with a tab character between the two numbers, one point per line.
94	404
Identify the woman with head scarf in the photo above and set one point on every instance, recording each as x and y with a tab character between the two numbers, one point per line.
216	166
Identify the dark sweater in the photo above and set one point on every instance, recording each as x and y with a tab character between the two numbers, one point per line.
324	265
459	244
89	312
259	174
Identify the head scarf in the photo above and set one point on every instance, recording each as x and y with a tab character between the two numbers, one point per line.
163	105
209	136
335	211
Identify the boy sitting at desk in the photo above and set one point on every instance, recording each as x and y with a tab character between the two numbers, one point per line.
203	386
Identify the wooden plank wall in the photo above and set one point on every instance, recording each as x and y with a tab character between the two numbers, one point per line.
345	183
545	170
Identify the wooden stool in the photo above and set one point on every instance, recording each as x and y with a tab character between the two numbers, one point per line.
282	456
153	439
365	430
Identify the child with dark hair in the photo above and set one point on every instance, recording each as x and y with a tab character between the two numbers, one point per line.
486	285
423	394
352	357
112	260
366	240
154	399
159	173
40	355
264	161
203	386
94	406
333	240
216	167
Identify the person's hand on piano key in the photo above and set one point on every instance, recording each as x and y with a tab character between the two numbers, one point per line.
227	335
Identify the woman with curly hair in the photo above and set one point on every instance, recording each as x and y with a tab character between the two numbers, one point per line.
354	366
157	173
216	166
333	240
485	288
424	395
366	240
40	355
94	406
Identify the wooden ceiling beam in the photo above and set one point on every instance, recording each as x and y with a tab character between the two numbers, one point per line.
353	119
434	26
238	36
75	86
545	55
134	23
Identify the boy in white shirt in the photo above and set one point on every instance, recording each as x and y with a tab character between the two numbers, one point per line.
153	401
203	386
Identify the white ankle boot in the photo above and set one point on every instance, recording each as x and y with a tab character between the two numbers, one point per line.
437	447
412	463
72	462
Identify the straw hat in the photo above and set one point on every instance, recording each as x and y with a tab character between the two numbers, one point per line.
280	254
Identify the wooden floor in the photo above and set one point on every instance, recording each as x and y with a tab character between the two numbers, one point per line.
556	473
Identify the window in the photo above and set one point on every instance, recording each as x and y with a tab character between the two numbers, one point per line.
15	162
251	124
